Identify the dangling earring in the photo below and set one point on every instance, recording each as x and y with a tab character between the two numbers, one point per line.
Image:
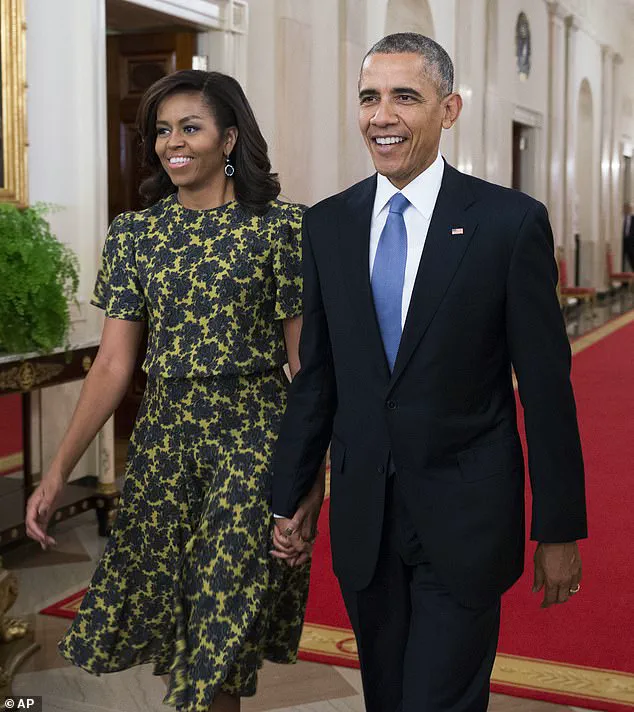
229	169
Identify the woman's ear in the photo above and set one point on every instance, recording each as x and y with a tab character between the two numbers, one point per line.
231	137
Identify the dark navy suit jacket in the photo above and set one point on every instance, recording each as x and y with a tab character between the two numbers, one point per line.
484	303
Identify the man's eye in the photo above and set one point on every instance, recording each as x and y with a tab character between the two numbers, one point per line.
368	99
405	97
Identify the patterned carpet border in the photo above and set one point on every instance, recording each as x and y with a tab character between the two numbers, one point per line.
67	607
335	646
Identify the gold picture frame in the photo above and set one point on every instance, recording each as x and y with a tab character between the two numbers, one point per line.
13	141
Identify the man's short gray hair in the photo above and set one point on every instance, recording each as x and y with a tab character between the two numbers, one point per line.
438	63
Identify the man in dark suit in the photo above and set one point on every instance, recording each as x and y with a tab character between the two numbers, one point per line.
628	236
423	287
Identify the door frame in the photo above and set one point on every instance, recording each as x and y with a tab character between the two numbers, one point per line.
204	12
222	19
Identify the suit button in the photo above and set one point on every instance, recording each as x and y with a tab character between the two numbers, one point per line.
381	470
391	405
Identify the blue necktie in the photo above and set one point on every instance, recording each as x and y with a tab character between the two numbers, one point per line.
388	276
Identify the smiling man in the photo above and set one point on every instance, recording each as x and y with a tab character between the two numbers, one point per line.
423	289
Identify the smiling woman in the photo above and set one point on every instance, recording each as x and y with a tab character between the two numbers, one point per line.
13	144
194	125
213	267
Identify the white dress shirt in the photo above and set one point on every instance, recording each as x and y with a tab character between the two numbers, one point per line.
422	193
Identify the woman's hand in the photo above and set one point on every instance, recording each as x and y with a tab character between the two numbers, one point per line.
40	507
293	539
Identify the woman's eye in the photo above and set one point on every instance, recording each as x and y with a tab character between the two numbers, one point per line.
162	132
190	129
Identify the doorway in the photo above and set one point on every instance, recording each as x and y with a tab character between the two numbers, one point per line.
142	46
523	156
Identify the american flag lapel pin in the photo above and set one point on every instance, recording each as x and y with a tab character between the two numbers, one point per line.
457	231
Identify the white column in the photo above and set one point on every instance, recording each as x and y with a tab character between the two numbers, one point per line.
556	125
354	163
607	139
570	120
293	98
325	89
616	211
469	69
67	39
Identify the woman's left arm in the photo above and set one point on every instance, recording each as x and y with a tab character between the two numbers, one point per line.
292	331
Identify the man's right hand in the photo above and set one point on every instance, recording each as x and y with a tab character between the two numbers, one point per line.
40	508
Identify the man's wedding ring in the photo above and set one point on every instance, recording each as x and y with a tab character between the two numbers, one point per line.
576	589
288	531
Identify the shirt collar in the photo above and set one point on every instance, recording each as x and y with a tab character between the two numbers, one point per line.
421	192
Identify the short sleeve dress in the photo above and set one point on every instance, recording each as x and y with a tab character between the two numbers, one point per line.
186	581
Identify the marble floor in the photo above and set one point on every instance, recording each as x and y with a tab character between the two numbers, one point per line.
47	577
580	318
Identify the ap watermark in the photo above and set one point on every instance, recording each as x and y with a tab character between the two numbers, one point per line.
34	704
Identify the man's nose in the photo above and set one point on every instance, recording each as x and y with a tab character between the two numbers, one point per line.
384	115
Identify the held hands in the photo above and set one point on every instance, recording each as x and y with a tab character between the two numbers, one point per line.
293	539
39	509
557	571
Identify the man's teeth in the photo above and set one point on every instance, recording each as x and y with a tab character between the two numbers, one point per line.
389	139
180	159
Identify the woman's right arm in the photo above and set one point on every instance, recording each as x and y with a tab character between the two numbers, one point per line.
102	391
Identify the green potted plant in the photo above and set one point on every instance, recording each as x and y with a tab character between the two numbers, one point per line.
39	277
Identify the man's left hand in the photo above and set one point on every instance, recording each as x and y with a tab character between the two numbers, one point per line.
557	571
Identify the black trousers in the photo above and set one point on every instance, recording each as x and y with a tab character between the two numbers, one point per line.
420	651
628	251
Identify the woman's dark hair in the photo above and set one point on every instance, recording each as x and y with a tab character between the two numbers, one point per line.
254	183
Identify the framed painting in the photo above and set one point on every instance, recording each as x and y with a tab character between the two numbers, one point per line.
13	142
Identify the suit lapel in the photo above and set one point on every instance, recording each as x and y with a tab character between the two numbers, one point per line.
441	257
354	244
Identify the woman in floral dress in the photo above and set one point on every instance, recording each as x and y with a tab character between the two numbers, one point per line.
213	268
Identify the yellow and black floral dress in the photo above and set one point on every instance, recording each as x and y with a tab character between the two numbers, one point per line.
186	581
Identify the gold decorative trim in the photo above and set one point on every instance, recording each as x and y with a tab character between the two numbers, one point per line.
107	489
327	640
28	375
574	680
596	335
13	178
11	462
526	673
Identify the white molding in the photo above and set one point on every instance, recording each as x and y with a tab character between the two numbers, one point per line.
207	14
535	119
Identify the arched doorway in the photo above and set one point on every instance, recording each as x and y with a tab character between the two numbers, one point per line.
409	16
583	207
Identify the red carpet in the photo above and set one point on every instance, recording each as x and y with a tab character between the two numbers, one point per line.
10	433
581	653
67	607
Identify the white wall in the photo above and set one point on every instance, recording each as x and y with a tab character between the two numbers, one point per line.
66	130
67	161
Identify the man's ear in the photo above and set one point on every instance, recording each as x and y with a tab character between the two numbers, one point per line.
452	106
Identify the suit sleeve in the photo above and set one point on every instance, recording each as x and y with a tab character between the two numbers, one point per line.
306	427
540	352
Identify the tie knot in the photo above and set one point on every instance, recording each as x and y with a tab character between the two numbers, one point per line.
398	203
